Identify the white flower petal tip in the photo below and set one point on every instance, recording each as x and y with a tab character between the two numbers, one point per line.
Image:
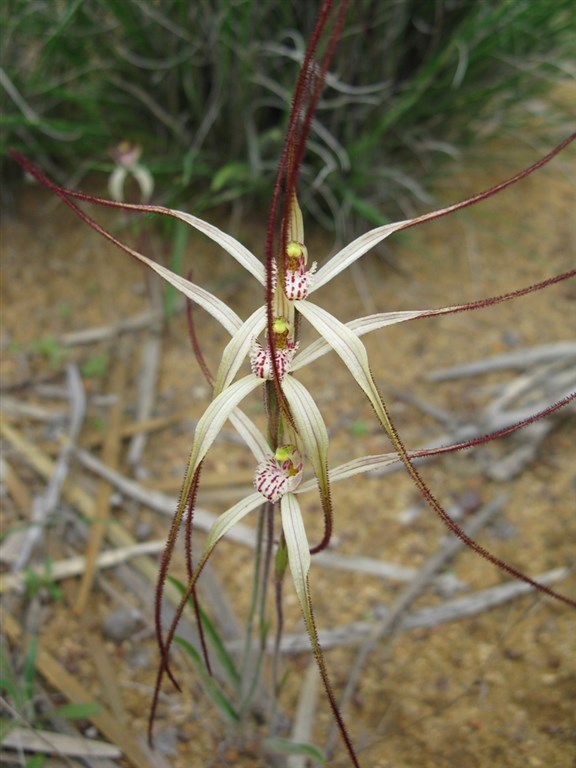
261	360
280	474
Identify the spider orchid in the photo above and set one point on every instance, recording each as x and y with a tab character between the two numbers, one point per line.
296	437
299	434
127	158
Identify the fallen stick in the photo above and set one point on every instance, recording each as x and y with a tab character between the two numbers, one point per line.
354	634
147	382
103	332
111	455
74	566
44	504
84	503
521	359
50	743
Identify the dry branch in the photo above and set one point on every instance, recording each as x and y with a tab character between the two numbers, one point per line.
521	359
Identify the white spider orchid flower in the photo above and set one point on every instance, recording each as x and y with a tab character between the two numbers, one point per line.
279	469
297	285
127	156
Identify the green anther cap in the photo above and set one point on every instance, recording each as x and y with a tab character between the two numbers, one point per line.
280	326
294	250
285	452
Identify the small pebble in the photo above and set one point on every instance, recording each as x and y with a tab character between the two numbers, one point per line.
120	625
166	740
143	531
138	658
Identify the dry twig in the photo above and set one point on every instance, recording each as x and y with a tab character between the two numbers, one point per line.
45	504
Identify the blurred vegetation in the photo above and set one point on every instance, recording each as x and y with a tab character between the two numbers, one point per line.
205	88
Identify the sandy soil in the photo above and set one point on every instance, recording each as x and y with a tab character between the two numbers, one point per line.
495	689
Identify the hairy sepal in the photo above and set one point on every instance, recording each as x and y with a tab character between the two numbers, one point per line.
357	248
351	350
299	564
360	326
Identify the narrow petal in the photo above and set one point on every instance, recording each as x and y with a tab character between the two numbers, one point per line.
355	467
228	520
350	349
298	550
227	318
242	255
238	348
353	251
251	435
360	326
311	429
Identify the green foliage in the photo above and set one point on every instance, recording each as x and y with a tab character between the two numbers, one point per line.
286	747
80	711
205	88
359	428
96	366
50	348
210	685
179	239
37	581
36	761
19	691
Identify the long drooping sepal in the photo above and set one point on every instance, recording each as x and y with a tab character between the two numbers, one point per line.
186	503
382	461
299	564
357	248
353	353
239	252
349	348
370	323
213	419
223	524
314	436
